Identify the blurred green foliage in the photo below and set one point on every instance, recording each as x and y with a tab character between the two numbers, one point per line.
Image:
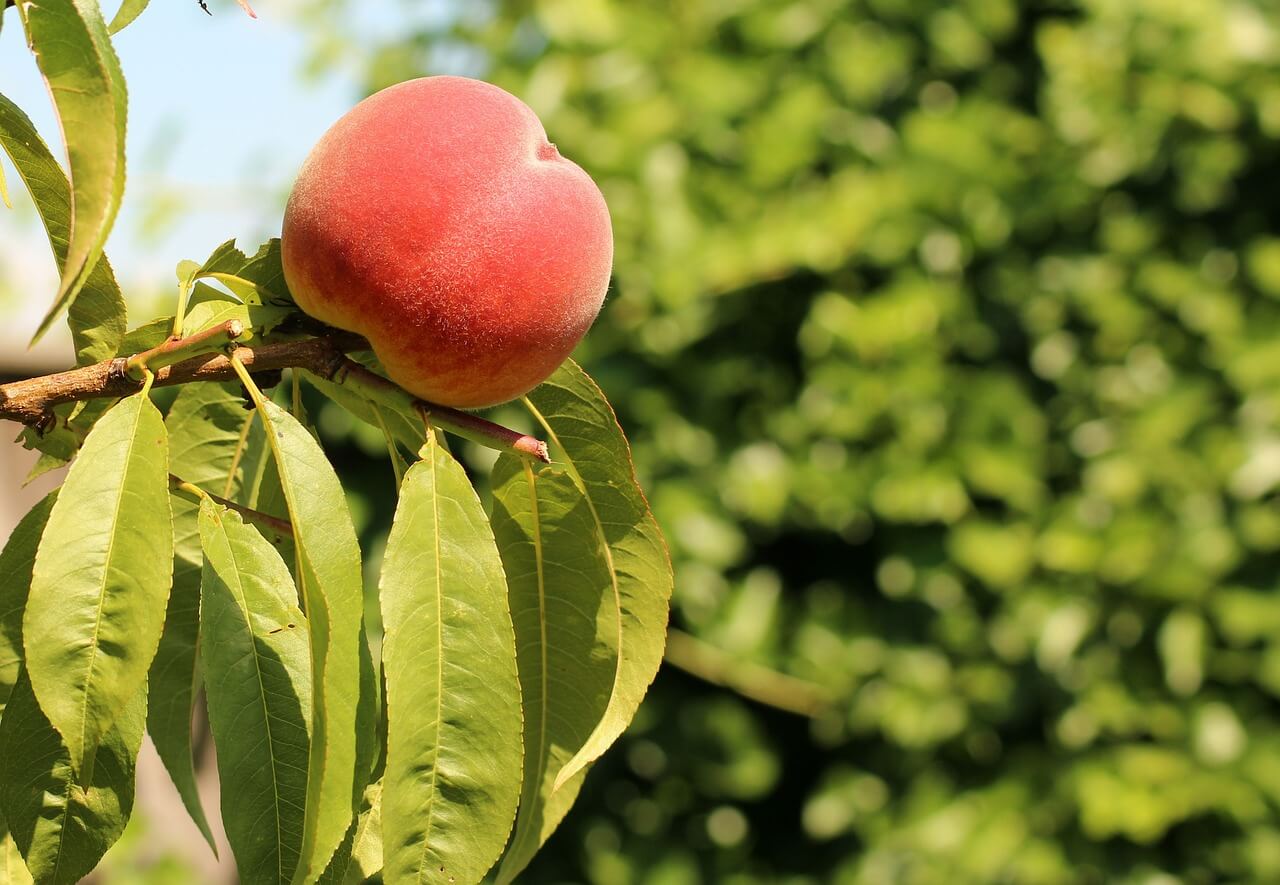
947	339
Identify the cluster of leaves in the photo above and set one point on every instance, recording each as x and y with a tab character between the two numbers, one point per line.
209	553
950	331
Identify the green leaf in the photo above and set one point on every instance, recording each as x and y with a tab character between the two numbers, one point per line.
566	624
146	336
585	436
359	857
224	258
13	869
265	272
405	428
74	53
205	426
258	682
43	465
340	861
256	285
97	316
15	581
101	578
62	828
366	848
58	441
452	776
330	580
208	437
125	15
213	312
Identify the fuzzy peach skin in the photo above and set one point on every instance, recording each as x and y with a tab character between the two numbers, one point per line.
436	220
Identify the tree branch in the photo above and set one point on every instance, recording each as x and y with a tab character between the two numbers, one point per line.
749	679
31	401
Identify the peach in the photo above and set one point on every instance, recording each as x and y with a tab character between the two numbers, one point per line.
436	220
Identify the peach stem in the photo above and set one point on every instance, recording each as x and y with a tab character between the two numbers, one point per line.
382	391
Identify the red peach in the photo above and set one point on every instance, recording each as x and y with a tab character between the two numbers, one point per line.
436	220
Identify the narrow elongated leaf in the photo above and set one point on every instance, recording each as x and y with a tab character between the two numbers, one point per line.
15	582
340	860
266	272
331	588
61	827
146	336
225	258
13	869
257	282
125	15
586	437
452	778
204	426
566	619
366	849
258	683
97	316
74	53
359	857
101	578
207	436
406	429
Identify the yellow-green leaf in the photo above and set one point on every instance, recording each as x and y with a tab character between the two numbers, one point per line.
101	578
15	583
79	65
97	316
329	558
584	435
125	15
205	425
452	776
13	869
565	616
258	683
61	827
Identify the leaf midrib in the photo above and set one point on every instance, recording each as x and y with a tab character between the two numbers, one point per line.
106	569
262	696
536	522
435	757
310	825
613	581
111	91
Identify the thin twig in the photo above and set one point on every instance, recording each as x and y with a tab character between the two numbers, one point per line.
192	492
751	680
